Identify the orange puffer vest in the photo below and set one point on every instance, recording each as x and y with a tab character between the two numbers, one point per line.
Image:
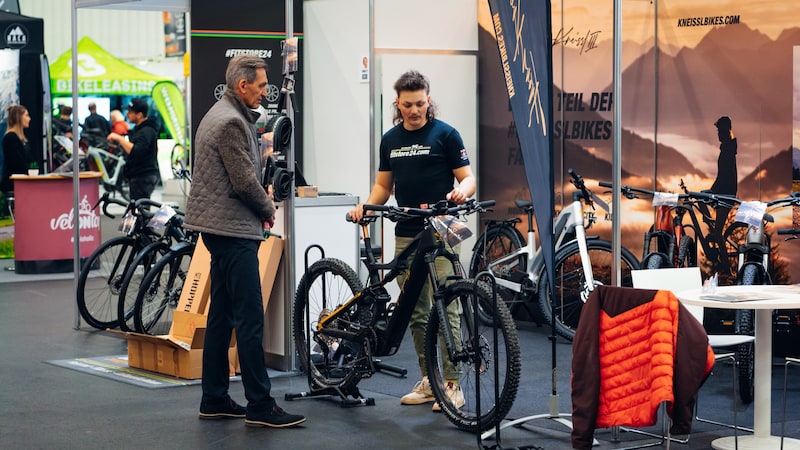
637	349
633	349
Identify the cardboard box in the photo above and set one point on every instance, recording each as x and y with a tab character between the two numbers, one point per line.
307	191
180	352
196	291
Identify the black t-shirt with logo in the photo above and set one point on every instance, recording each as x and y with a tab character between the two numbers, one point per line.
422	163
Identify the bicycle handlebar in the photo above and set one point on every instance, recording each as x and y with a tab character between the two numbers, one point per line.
142	202
578	182
629	192
704	197
397	213
106	199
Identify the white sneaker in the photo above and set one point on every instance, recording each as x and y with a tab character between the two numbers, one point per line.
454	394
421	393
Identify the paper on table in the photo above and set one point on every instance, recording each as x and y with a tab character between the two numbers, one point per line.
739	297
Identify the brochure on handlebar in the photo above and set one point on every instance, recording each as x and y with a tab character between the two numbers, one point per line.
665	199
751	213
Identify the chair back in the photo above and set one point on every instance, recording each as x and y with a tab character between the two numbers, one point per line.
671	279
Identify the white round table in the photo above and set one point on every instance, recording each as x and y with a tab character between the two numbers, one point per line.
763	299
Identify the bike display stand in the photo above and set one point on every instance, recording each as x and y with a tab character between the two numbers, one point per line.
488	277
347	399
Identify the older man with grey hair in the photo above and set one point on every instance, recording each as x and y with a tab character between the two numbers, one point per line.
230	208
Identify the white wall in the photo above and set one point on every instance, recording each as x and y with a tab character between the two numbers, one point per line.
336	103
438	38
435	37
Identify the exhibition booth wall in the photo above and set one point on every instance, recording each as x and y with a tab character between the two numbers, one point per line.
684	65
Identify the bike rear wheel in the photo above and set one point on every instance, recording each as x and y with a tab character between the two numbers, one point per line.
160	292
498	341
123	187
325	286
100	280
570	287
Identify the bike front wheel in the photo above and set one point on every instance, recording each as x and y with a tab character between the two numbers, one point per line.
571	288
494	355
325	286
160	292
687	252
100	280
656	261
744	323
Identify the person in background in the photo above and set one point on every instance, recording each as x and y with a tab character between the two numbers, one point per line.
418	178
118	123
96	122
16	149
230	208
62	125
141	167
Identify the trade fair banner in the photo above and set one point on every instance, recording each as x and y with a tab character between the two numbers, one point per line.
684	65
523	38
99	73
169	102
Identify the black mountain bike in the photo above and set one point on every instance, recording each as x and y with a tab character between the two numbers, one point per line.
102	275
173	233
340	326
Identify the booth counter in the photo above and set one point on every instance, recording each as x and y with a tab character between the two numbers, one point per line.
43	221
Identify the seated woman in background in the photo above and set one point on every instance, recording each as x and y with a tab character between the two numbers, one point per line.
118	123
16	149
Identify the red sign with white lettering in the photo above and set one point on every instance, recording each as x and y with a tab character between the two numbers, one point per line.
45	218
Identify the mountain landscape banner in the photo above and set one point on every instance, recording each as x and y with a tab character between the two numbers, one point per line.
684	65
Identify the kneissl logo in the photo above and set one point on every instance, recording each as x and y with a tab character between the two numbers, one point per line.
16	36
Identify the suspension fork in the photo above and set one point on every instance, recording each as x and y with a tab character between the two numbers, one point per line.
439	306
438	297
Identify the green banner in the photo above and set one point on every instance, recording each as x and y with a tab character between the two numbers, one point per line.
99	73
169	102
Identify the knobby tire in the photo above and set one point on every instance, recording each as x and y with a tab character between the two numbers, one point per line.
326	285
461	296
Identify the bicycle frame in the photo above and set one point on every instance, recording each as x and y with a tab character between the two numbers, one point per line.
568	221
100	157
757	244
428	245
